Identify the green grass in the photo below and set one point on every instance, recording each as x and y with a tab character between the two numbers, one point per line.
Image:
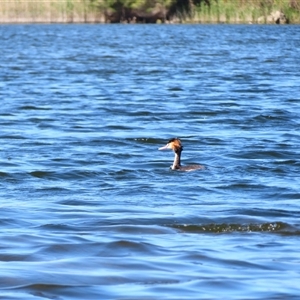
237	11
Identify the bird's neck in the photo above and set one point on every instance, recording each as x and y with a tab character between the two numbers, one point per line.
176	164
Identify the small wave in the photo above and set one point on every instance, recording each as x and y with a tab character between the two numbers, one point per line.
32	107
3	174
40	174
13	137
278	227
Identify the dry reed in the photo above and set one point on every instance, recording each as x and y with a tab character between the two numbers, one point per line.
49	11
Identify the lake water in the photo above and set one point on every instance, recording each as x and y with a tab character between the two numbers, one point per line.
89	206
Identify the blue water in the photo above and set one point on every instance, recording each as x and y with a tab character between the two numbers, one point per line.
89	206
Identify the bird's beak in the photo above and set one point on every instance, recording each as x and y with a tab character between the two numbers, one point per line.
164	147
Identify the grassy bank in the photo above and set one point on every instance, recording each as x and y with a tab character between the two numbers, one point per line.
239	11
93	11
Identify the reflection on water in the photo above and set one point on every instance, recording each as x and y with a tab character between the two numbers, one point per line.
90	208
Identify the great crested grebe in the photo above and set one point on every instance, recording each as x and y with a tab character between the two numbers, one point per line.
175	145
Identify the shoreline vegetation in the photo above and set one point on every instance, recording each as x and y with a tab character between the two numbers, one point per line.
151	11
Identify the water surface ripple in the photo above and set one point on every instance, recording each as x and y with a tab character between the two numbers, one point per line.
89	206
